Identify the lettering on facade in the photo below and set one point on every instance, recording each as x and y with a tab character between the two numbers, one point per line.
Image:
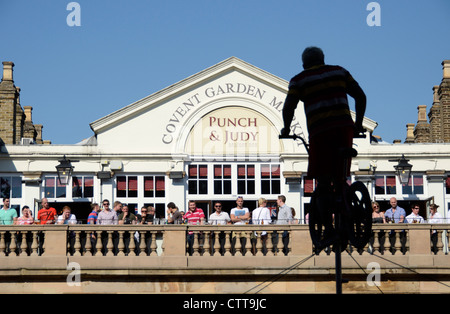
210	92
233	135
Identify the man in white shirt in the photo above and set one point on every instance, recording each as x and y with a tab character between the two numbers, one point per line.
240	215
414	217
219	217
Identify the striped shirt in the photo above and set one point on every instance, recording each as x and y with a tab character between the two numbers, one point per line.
323	90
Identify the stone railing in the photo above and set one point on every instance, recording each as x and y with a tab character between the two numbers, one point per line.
206	240
224	259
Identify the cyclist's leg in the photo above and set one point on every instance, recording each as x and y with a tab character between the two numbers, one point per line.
325	203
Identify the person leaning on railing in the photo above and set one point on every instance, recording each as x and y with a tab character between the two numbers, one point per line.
261	216
435	218
8	215
219	217
284	217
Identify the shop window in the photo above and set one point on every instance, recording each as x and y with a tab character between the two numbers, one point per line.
82	186
198	179
54	189
270	179
414	186
11	187
385	185
154	186
222	179
246	179
127	186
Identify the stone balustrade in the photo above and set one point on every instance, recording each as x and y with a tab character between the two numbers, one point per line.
180	253
205	240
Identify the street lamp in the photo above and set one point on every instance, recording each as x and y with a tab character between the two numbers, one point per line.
64	170
403	169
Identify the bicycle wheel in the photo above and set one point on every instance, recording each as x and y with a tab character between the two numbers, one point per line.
360	218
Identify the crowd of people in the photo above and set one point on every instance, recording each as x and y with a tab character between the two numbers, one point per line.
397	214
119	213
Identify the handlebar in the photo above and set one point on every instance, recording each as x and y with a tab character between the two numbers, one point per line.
360	134
293	136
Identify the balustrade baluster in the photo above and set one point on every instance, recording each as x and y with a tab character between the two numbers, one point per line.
142	243
98	244
259	243
215	237
132	245
12	244
35	244
110	244
387	242
269	243
121	245
88	249
247	249
153	243
237	243
398	244
196	244
23	244
207	243
289	245
227	246
77	244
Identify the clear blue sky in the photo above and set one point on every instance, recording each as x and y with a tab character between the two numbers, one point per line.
126	50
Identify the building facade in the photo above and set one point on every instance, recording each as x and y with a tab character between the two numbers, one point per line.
210	137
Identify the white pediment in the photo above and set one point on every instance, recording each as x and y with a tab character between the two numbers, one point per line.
167	121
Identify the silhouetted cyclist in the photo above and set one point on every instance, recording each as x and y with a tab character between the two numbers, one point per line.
323	89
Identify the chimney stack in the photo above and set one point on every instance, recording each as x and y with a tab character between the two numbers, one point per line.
446	68
422	115
8	71
28	110
435	94
409	133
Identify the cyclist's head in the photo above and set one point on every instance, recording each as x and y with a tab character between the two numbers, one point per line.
312	56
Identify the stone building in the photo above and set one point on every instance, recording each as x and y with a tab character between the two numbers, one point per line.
435	129
210	137
16	124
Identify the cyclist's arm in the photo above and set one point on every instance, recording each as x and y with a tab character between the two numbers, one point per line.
356	92
290	104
